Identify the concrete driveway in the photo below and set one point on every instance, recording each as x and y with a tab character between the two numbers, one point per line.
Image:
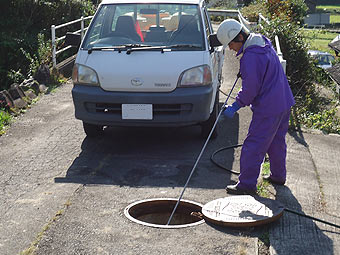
62	193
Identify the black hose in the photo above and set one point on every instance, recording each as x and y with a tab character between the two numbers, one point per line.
310	217
237	173
225	148
220	165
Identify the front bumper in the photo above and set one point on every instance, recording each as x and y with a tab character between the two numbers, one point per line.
181	107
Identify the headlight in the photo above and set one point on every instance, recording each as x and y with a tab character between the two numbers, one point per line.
196	76
84	75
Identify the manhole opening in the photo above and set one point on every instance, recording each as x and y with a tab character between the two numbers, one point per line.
156	213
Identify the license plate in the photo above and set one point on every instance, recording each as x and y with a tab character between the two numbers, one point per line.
137	111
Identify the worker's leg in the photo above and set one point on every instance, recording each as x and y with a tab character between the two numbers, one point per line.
277	151
260	135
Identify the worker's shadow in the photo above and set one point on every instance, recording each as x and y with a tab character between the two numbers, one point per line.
290	234
296	234
298	136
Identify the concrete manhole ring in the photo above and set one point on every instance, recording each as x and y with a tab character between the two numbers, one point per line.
156	212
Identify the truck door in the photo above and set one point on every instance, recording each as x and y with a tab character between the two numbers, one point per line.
216	54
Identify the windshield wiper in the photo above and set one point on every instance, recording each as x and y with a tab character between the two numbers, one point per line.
162	48
135	45
118	47
140	47
176	46
89	51
145	47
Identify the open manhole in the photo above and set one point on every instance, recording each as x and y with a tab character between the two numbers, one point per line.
156	213
234	211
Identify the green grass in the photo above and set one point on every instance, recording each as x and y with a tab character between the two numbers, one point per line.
335	19
319	39
5	119
262	187
266	168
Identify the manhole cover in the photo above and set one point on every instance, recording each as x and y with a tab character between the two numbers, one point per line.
156	213
242	211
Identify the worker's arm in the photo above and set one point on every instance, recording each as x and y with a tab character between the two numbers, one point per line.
252	68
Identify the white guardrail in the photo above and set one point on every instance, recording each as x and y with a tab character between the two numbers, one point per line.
224	13
55	39
277	44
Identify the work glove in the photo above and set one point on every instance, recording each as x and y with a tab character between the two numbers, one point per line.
230	110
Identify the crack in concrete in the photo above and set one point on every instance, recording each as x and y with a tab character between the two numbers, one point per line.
34	245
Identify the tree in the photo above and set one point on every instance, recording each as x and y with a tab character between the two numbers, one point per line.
247	2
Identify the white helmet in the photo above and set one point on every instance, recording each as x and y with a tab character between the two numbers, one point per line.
228	30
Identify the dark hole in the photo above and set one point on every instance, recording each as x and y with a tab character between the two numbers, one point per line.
159	211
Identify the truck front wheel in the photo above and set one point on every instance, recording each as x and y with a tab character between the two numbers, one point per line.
92	130
207	125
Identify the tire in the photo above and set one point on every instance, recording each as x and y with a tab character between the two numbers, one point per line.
207	125
92	130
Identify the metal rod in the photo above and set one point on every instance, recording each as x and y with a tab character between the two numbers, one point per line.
73	22
63	49
202	150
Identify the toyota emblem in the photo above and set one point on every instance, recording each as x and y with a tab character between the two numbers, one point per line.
136	82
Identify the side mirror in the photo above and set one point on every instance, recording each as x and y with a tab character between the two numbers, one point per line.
72	39
213	41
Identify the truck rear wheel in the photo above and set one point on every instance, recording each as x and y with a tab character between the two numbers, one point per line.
92	130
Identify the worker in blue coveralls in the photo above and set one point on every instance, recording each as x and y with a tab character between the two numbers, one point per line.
266	90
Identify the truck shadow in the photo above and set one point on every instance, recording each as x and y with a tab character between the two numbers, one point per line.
159	157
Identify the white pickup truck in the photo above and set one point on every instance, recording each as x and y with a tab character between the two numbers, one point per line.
147	63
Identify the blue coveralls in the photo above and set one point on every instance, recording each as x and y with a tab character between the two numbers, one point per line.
265	88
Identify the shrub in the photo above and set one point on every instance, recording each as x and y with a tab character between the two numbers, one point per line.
247	2
20	27
300	68
291	10
221	4
311	109
321	118
43	55
251	12
5	119
15	76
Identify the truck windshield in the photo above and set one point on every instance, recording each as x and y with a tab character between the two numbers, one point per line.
147	25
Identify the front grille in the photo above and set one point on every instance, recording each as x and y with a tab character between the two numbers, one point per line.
168	109
109	108
158	109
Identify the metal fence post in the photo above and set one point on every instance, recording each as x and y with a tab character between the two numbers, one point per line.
82	25
260	17
277	43
54	60
55	39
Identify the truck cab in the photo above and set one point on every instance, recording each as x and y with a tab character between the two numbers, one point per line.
148	64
